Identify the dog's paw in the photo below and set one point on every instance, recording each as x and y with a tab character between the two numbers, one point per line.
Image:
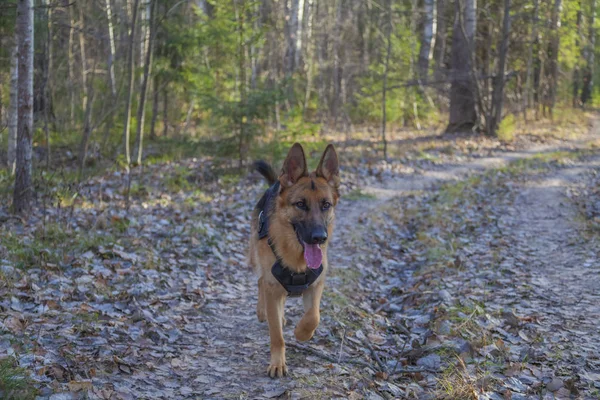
261	315
302	334
277	370
306	327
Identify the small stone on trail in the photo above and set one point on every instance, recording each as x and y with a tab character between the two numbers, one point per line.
445	296
554	385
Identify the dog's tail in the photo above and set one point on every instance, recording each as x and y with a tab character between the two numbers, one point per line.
265	170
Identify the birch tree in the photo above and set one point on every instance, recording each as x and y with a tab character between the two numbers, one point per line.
130	82
139	138
439	48
428	38
82	55
110	63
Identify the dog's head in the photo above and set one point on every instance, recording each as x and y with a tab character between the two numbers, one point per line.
307	200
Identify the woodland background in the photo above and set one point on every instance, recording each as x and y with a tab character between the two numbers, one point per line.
106	79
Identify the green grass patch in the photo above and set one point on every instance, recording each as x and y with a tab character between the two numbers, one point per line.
424	155
52	245
15	384
197	197
358	194
6	182
230	179
541	162
139	190
506	128
276	150
179	180
163	149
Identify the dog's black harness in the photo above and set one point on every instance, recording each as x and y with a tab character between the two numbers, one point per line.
295	283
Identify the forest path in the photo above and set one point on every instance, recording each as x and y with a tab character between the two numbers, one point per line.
166	310
545	230
315	376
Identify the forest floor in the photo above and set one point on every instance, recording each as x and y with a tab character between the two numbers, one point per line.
461	269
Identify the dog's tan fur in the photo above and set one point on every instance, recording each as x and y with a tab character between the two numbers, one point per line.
296	184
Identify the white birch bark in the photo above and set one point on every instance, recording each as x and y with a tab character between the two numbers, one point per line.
111	49
428	39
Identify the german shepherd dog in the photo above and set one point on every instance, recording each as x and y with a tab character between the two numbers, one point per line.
296	214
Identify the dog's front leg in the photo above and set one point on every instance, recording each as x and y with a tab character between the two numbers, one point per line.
275	301
311	299
261	311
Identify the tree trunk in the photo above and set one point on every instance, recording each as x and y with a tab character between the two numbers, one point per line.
46	79
71	67
588	76
463	116
165	110
242	84
13	116
130	80
141	40
155	100
529	89
439	48
576	71
428	39
499	81
291	32
110	63
337	62
385	77
413	69
23	193
554	49
141	113
305	33
292	37
87	127
84	68
307	46
111	50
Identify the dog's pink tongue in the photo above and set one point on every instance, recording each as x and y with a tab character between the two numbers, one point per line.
312	255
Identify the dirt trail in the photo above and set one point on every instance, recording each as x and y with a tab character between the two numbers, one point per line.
239	370
564	269
187	328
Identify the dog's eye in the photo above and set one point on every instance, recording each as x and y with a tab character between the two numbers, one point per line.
326	205
301	205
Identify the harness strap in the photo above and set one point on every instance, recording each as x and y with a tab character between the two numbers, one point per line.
295	282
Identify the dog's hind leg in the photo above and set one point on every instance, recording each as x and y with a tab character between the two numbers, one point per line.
310	320
275	300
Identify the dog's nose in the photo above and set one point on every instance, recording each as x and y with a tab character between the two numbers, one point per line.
318	236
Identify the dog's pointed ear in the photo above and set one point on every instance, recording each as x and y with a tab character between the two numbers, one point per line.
294	166
329	167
